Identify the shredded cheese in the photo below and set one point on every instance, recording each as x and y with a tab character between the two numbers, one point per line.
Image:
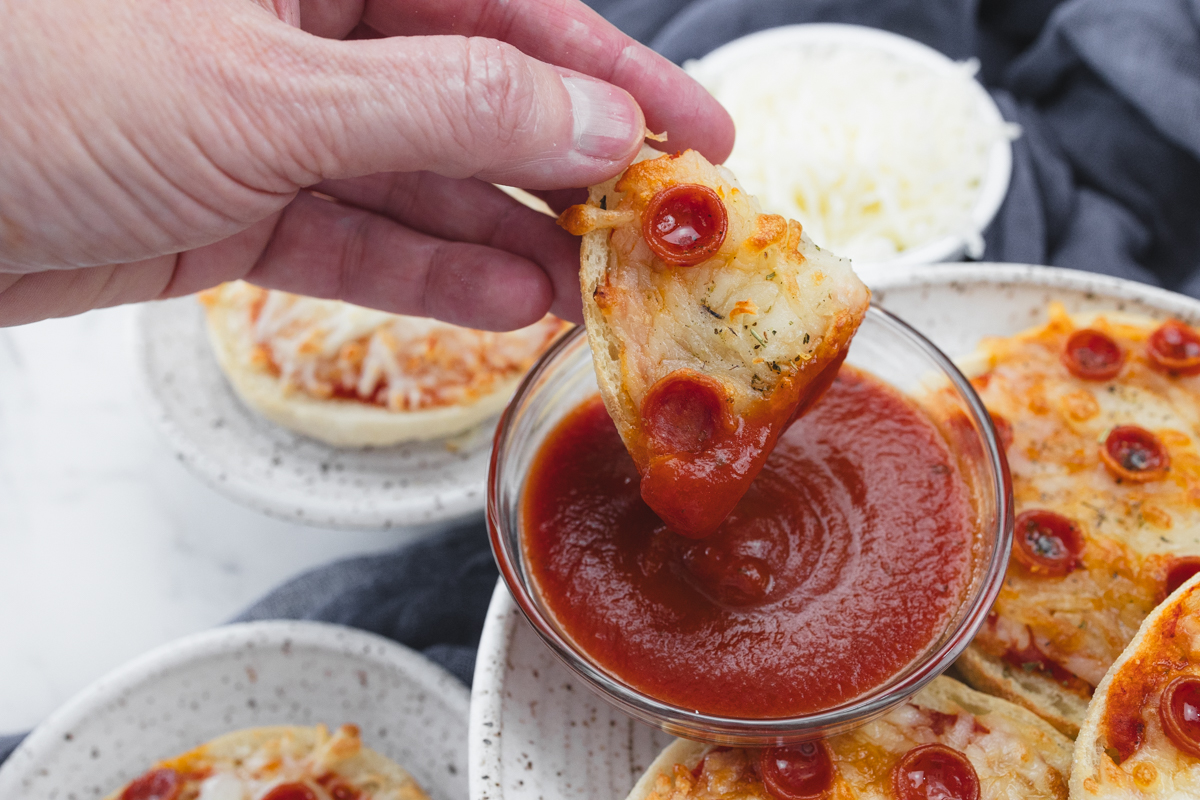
873	153
327	348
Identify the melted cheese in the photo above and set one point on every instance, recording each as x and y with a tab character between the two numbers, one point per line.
249	769
327	348
1084	620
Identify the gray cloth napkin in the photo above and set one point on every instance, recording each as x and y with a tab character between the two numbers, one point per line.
431	595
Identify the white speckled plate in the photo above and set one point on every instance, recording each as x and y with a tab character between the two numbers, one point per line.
281	473
536	732
239	676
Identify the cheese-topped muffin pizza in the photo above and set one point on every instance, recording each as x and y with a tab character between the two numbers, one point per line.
278	763
712	326
356	377
1141	737
947	743
1101	418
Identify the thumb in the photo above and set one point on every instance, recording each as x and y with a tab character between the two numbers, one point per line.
457	106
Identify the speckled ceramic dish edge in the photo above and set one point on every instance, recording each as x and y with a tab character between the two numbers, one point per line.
237	676
536	731
284	474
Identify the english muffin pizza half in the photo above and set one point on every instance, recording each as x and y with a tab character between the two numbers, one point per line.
947	743
277	763
1141	737
1100	415
712	327
356	377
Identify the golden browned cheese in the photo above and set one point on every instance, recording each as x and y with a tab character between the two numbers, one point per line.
1083	621
1015	755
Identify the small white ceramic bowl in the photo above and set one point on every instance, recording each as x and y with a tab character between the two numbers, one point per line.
240	676
998	171
886	348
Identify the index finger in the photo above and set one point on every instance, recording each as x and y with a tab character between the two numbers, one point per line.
569	34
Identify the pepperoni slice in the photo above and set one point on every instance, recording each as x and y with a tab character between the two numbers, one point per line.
1181	568
157	784
1046	543
291	791
1092	355
1004	431
683	411
1134	454
1175	347
685	224
934	772
797	772
1179	711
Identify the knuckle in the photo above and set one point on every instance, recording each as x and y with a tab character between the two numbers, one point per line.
499	94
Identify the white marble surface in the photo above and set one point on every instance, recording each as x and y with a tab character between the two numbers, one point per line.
108	546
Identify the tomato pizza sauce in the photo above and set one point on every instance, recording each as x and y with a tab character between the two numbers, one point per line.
839	567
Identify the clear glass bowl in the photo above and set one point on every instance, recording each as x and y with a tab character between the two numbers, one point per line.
887	348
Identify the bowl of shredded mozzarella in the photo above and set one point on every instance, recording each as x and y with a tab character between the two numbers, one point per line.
887	151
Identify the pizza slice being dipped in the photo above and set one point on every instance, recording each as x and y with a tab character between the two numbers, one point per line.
712	326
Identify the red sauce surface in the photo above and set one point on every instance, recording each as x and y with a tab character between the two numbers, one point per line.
695	477
840	565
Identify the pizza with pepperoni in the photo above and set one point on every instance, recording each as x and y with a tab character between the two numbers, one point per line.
1100	414
712	326
276	763
948	742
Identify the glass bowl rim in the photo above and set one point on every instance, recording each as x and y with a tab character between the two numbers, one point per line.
723	729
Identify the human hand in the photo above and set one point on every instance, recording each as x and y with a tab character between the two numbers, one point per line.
153	149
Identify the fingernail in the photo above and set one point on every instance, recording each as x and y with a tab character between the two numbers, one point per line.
607	120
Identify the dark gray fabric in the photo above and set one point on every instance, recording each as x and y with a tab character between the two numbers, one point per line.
1107	175
8	744
431	596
